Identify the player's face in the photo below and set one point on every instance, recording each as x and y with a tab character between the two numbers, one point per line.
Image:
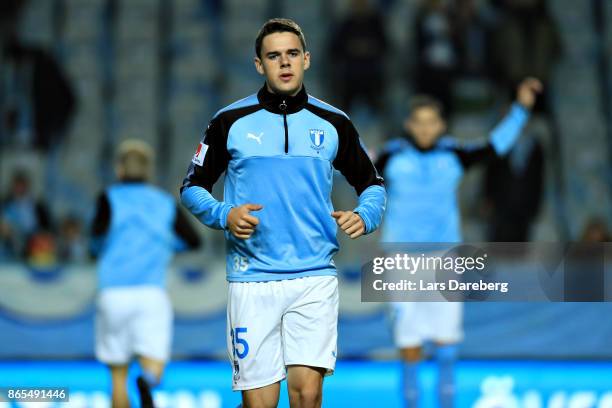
426	126
283	62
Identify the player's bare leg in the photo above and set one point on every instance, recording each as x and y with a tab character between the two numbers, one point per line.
119	374
446	356
264	397
411	354
411	358
152	371
305	386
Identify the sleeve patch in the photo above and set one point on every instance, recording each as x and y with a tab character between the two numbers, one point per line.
198	157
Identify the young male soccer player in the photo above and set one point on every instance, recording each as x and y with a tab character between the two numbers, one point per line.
279	148
422	173
136	229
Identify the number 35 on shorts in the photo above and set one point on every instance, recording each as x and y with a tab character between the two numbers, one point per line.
240	345
241	263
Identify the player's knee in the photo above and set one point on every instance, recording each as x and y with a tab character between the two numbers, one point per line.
151	371
308	395
411	354
151	377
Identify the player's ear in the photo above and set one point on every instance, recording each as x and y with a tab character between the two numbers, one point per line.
258	65
306	60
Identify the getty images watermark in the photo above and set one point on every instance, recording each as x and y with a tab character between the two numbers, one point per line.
537	272
430	264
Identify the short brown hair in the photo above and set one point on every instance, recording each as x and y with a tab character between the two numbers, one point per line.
425	101
135	160
278	25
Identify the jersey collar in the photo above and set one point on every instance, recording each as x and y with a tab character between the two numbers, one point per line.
414	144
282	103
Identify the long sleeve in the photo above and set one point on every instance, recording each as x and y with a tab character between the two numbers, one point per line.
507	132
501	139
371	207
205	207
353	162
208	163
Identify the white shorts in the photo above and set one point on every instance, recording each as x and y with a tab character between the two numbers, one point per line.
275	324
133	321
417	322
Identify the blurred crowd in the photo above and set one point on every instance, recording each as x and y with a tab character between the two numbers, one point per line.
503	41
37	103
28	231
497	42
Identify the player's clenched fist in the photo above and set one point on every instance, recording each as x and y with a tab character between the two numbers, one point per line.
350	222
527	92
240	222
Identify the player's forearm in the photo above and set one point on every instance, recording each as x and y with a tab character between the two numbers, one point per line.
507	132
372	206
205	207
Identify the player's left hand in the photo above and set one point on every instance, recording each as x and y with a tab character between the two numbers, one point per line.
351	223
528	91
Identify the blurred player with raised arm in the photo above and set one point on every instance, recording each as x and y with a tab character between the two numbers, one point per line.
422	172
136	229
279	148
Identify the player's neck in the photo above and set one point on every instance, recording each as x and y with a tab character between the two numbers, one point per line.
291	95
416	145
280	103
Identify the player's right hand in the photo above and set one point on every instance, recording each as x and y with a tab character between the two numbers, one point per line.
528	91
240	222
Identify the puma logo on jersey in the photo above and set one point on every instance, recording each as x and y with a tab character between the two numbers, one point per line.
252	136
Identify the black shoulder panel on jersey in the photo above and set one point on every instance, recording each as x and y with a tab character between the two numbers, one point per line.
102	217
217	156
468	156
351	160
382	160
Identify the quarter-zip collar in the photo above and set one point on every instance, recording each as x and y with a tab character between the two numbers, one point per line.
282	104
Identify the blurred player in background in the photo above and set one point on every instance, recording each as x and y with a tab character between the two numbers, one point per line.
136	229
278	148
422	172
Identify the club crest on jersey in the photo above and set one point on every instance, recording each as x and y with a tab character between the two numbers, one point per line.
317	137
